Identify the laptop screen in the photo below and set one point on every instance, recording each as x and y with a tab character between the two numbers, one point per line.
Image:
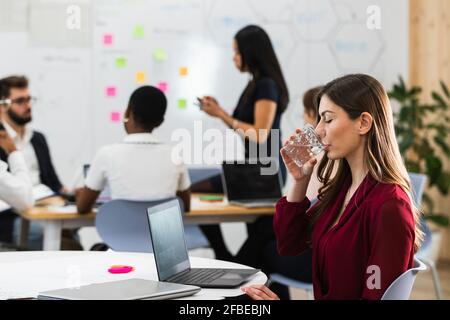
167	233
246	182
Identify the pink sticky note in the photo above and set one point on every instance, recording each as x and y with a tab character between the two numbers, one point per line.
111	91
107	39
163	86
115	116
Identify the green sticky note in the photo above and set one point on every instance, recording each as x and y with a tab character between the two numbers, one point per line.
121	62
211	198
139	32
160	55
182	103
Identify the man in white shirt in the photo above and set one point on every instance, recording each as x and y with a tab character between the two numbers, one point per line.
15	185
16	113
140	167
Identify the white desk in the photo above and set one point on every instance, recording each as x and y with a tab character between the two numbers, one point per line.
25	274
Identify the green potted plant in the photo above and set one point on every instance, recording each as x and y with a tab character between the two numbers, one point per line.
422	131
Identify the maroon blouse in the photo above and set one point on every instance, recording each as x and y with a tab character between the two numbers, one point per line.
372	244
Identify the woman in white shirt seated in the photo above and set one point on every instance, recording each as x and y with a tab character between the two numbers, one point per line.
140	167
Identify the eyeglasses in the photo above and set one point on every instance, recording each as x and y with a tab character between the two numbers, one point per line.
19	101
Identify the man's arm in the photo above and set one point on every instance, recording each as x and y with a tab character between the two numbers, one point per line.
15	187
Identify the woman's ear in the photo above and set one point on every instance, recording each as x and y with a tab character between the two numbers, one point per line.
366	122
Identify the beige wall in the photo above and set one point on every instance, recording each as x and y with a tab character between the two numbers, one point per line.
429	62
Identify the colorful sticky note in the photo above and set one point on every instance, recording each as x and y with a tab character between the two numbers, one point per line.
184	71
111	91
160	55
139	32
107	39
121	62
163	86
115	116
182	103
140	77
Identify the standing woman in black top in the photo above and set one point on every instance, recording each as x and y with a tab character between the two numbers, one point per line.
260	107
263	100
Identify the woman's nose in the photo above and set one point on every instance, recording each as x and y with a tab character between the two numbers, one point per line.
320	131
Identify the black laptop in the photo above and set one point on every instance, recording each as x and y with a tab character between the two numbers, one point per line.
253	184
171	255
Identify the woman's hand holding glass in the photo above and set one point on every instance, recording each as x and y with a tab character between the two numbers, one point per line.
298	173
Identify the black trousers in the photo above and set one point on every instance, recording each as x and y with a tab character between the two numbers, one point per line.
7	226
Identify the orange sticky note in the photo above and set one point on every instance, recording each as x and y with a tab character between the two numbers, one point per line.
140	77
184	71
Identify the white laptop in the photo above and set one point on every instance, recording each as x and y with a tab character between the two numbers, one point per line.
131	289
248	185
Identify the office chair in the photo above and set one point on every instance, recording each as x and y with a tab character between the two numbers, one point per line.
123	226
425	253
401	288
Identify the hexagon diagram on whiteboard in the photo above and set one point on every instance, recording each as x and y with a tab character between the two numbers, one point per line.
226	17
356	48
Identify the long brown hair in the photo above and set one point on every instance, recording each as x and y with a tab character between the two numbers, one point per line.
260	59
355	94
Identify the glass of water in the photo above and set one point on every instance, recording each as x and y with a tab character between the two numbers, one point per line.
305	145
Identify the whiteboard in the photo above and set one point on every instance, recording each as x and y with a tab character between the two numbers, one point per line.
83	77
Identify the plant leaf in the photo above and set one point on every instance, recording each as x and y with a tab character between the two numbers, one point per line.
443	182
445	89
440	101
438	219
433	168
428	201
441	143
406	142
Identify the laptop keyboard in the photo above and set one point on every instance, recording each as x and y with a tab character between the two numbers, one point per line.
198	276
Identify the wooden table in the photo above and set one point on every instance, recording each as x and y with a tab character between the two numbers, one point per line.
54	217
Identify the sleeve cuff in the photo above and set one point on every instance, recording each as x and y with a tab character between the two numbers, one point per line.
15	160
298	207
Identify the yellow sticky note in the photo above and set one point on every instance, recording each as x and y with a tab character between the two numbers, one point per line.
184	71
140	77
